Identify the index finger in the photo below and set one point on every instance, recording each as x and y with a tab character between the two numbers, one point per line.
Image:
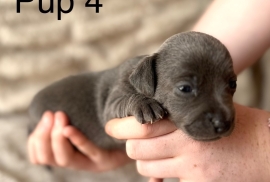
130	128
39	142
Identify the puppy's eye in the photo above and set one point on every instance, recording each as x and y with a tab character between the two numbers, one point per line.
233	84
185	88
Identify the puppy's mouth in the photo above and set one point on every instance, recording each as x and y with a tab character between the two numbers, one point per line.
207	132
206	140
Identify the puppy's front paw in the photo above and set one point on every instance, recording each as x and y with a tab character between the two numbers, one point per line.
148	111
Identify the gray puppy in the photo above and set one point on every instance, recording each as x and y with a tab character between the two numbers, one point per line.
190	79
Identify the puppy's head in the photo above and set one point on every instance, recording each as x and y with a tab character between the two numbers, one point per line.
193	78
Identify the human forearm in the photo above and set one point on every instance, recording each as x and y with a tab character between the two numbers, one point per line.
242	25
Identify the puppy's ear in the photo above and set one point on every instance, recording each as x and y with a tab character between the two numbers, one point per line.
143	77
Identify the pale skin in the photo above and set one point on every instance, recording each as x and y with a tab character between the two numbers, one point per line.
161	150
50	144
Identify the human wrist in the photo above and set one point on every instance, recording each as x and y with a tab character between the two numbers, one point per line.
263	138
255	124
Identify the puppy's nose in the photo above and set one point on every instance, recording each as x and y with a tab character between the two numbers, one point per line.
220	126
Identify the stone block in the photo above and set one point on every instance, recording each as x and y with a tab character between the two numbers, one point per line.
33	36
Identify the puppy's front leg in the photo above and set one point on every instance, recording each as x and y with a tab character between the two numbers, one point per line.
146	110
134	94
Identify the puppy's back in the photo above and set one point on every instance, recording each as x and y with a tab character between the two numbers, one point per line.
76	96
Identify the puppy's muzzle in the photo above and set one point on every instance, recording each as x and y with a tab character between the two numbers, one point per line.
210	127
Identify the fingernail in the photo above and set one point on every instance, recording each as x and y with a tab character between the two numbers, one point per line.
57	120
108	129
46	121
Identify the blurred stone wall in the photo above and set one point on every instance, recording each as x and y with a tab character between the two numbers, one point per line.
36	49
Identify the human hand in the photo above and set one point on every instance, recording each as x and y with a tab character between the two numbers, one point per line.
51	143
162	151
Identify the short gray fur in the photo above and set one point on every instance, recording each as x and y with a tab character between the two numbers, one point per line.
152	87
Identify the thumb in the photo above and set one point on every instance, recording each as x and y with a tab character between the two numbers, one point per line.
130	128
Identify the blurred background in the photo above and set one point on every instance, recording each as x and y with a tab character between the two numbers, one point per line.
37	49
